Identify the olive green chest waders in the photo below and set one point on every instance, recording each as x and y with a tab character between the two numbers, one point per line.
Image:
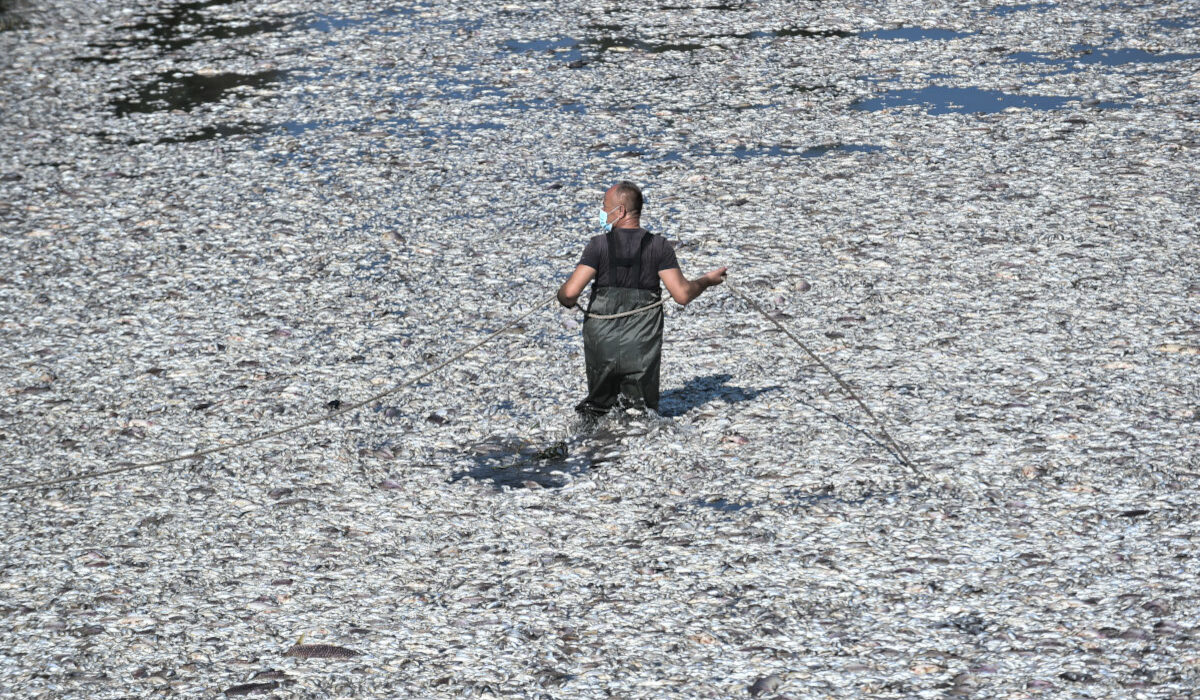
623	355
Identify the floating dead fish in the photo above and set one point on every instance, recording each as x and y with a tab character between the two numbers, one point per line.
251	688
219	218
766	684
321	651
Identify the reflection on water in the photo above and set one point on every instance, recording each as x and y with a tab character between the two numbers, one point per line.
939	99
172	90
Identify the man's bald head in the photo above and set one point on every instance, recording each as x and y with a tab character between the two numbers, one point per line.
625	194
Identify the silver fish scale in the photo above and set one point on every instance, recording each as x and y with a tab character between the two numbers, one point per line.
224	218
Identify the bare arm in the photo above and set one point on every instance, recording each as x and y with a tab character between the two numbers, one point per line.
684	290
569	292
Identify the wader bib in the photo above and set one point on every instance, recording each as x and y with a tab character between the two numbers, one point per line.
623	355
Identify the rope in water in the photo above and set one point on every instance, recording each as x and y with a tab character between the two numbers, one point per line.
445	363
841	382
282	431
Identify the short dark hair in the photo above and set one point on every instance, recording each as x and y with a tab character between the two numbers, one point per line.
629	195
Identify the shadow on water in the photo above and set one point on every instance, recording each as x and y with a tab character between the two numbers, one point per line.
11	16
701	390
517	463
520	464
170	90
940	99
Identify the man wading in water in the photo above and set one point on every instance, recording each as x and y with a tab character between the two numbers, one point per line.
623	355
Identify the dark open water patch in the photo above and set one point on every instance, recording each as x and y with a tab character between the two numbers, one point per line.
940	99
172	90
1178	22
179	26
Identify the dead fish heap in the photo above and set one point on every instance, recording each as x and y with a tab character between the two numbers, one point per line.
221	218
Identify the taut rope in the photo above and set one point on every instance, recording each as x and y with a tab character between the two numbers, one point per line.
845	387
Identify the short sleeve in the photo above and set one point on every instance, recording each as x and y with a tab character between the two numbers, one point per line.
591	254
667	259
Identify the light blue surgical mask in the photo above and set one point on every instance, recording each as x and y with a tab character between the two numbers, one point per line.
604	222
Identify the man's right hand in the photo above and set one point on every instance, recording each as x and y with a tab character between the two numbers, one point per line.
683	290
715	277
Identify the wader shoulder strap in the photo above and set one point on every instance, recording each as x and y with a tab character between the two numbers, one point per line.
635	262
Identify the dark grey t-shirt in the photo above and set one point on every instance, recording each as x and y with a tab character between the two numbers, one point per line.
658	256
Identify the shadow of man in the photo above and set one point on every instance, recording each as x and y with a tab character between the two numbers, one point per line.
700	390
